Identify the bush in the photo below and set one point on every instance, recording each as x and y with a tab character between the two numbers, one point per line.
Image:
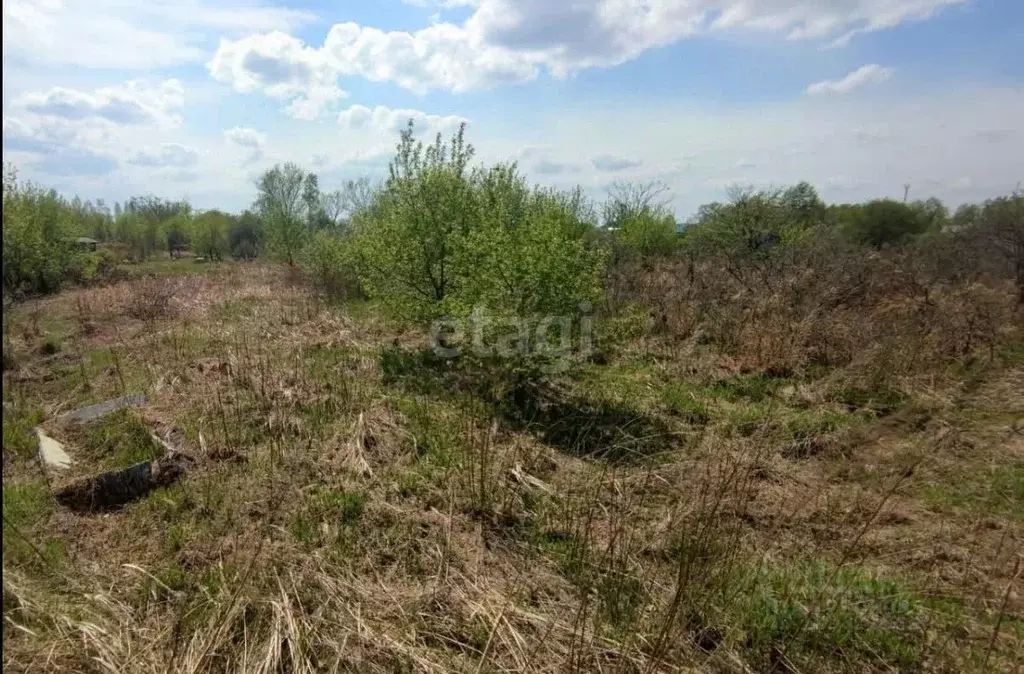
38	238
326	260
884	221
441	240
210	235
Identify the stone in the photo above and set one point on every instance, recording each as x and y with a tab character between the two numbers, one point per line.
104	408
52	452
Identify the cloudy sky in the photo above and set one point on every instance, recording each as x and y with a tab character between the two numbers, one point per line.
193	98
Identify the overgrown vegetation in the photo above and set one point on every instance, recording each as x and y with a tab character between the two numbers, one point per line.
784	436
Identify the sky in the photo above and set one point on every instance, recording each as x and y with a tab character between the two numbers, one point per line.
195	98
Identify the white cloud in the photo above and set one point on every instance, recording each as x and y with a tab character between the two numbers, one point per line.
279	66
246	137
546	167
127	35
128	103
387	120
167	155
865	75
511	41
612	163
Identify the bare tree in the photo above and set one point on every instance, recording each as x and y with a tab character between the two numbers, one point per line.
354	196
628	198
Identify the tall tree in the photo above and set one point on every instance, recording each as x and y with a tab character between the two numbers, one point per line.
282	205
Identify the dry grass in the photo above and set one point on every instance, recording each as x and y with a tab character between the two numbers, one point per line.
341	519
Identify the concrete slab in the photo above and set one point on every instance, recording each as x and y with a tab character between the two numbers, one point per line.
104	408
52	452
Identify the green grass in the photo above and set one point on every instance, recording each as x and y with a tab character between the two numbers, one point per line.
20	438
51	345
686	403
27	507
633	384
880	401
119	440
817	615
620	595
752	388
999	492
807	424
339	510
748	420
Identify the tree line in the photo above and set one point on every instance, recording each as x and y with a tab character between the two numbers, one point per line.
438	236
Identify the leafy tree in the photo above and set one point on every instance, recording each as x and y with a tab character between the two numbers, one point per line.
966	215
38	231
283	207
932	213
525	255
152	215
245	237
177	231
1002	227
440	239
210	234
803	205
649	232
749	234
884	221
327	262
639	217
425	208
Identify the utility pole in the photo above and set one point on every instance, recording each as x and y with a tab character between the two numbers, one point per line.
906	191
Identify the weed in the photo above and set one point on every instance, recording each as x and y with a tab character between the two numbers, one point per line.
51	345
999	491
747	420
881	401
120	440
684	402
20	439
756	388
813	615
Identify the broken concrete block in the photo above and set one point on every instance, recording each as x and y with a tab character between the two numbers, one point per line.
116	488
104	408
52	452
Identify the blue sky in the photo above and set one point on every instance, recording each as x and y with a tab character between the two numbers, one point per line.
193	98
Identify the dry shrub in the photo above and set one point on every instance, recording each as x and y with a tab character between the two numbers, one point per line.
827	303
151	299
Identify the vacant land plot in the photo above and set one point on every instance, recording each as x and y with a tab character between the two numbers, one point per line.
350	504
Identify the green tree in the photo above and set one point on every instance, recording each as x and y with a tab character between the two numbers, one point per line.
1002	227
649	233
749	234
804	206
440	239
282	206
176	232
38	232
210	234
245	238
884	221
422	214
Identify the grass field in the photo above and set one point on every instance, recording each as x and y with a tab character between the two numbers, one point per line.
354	506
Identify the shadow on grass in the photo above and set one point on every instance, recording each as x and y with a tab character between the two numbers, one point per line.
535	404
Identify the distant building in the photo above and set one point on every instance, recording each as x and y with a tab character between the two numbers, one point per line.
85	243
